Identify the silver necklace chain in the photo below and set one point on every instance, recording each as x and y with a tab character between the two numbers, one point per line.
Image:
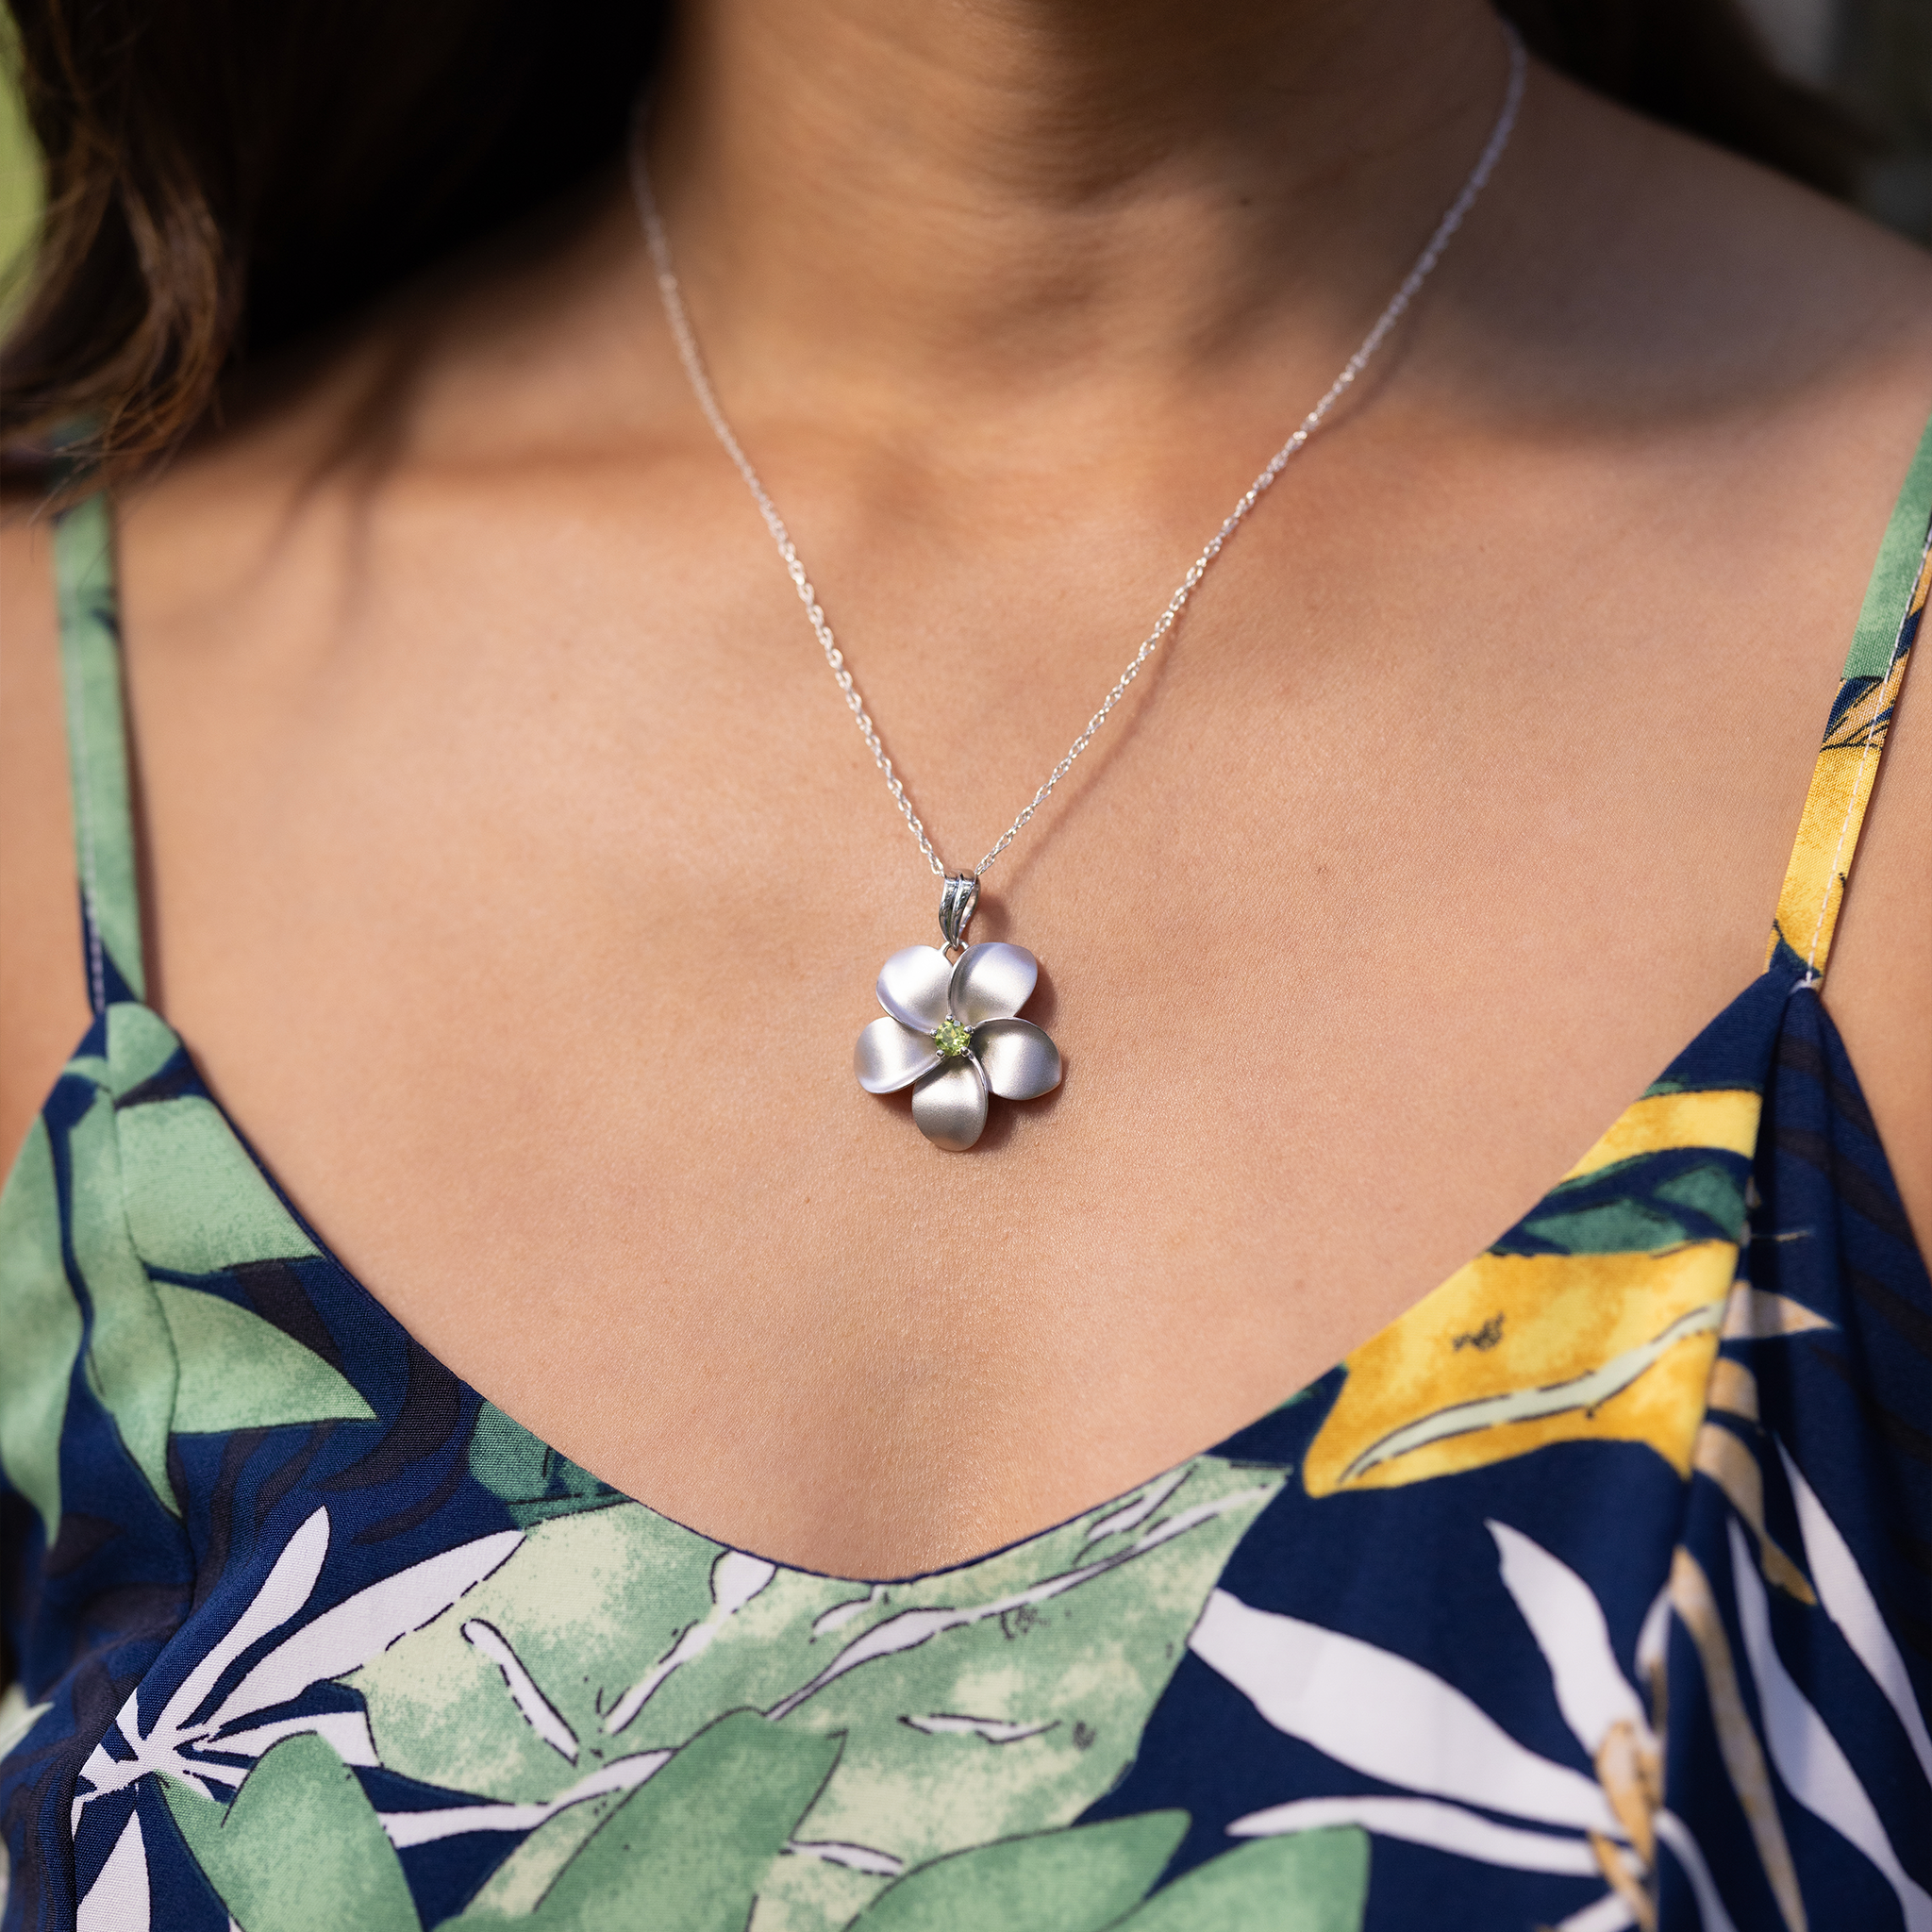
673	298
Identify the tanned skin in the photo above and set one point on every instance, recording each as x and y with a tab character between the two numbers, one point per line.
518	881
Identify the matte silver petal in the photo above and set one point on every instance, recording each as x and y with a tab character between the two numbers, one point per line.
950	1105
1021	1062
913	985
992	982
890	1057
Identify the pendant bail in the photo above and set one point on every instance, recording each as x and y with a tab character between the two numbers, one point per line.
957	899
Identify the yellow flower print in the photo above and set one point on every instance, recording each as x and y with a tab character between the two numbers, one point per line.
1835	811
1516	1350
1724	1117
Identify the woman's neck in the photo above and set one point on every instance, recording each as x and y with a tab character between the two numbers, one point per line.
986	200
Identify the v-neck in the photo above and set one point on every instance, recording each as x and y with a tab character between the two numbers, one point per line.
1682	1113
1494	1609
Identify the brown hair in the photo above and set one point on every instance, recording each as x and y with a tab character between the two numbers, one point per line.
225	174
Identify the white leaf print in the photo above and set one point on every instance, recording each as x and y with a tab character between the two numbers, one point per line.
364	1625
841	1614
289	1583
1849	1603
1427	1822
338	1640
736	1578
103	1772
694	1643
1567	1623
853	1858
407	1828
913	1627
1137	1509
440	1711
1672	1831
906	1631
1609	1914
117	1901
995	1730
1588	1391
1383	1715
1654	1637
347	1732
538	1712
1809	1759
289	1586
1754	1314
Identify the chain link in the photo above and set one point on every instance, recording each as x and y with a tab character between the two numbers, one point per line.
672	299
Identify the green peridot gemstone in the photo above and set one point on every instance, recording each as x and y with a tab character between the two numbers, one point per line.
951	1039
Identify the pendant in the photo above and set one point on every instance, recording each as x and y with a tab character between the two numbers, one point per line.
953	1032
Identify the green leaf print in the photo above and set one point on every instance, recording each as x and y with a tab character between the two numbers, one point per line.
1308	1881
1078	1880
685	1852
1639	1205
140	1044
159	1357
975	1705
130	1355
196	1203
239	1372
43	1330
504	1696
300	1849
162	1359
1614	1229
1711	1191
534	1481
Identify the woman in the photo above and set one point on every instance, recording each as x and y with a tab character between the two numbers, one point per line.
510	868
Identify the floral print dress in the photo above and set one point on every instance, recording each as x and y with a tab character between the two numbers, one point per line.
1595	1591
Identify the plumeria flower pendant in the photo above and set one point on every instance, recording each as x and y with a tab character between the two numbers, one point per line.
952	1034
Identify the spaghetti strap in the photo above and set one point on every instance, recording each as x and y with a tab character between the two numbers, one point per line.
97	753
1854	736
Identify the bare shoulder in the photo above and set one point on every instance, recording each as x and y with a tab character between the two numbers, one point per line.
1688	283
43	1002
1748	310
1848	308
525	348
1880	985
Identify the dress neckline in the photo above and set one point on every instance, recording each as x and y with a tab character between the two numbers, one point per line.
1808	903
1772	988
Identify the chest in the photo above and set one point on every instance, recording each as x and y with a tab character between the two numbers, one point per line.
524	904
